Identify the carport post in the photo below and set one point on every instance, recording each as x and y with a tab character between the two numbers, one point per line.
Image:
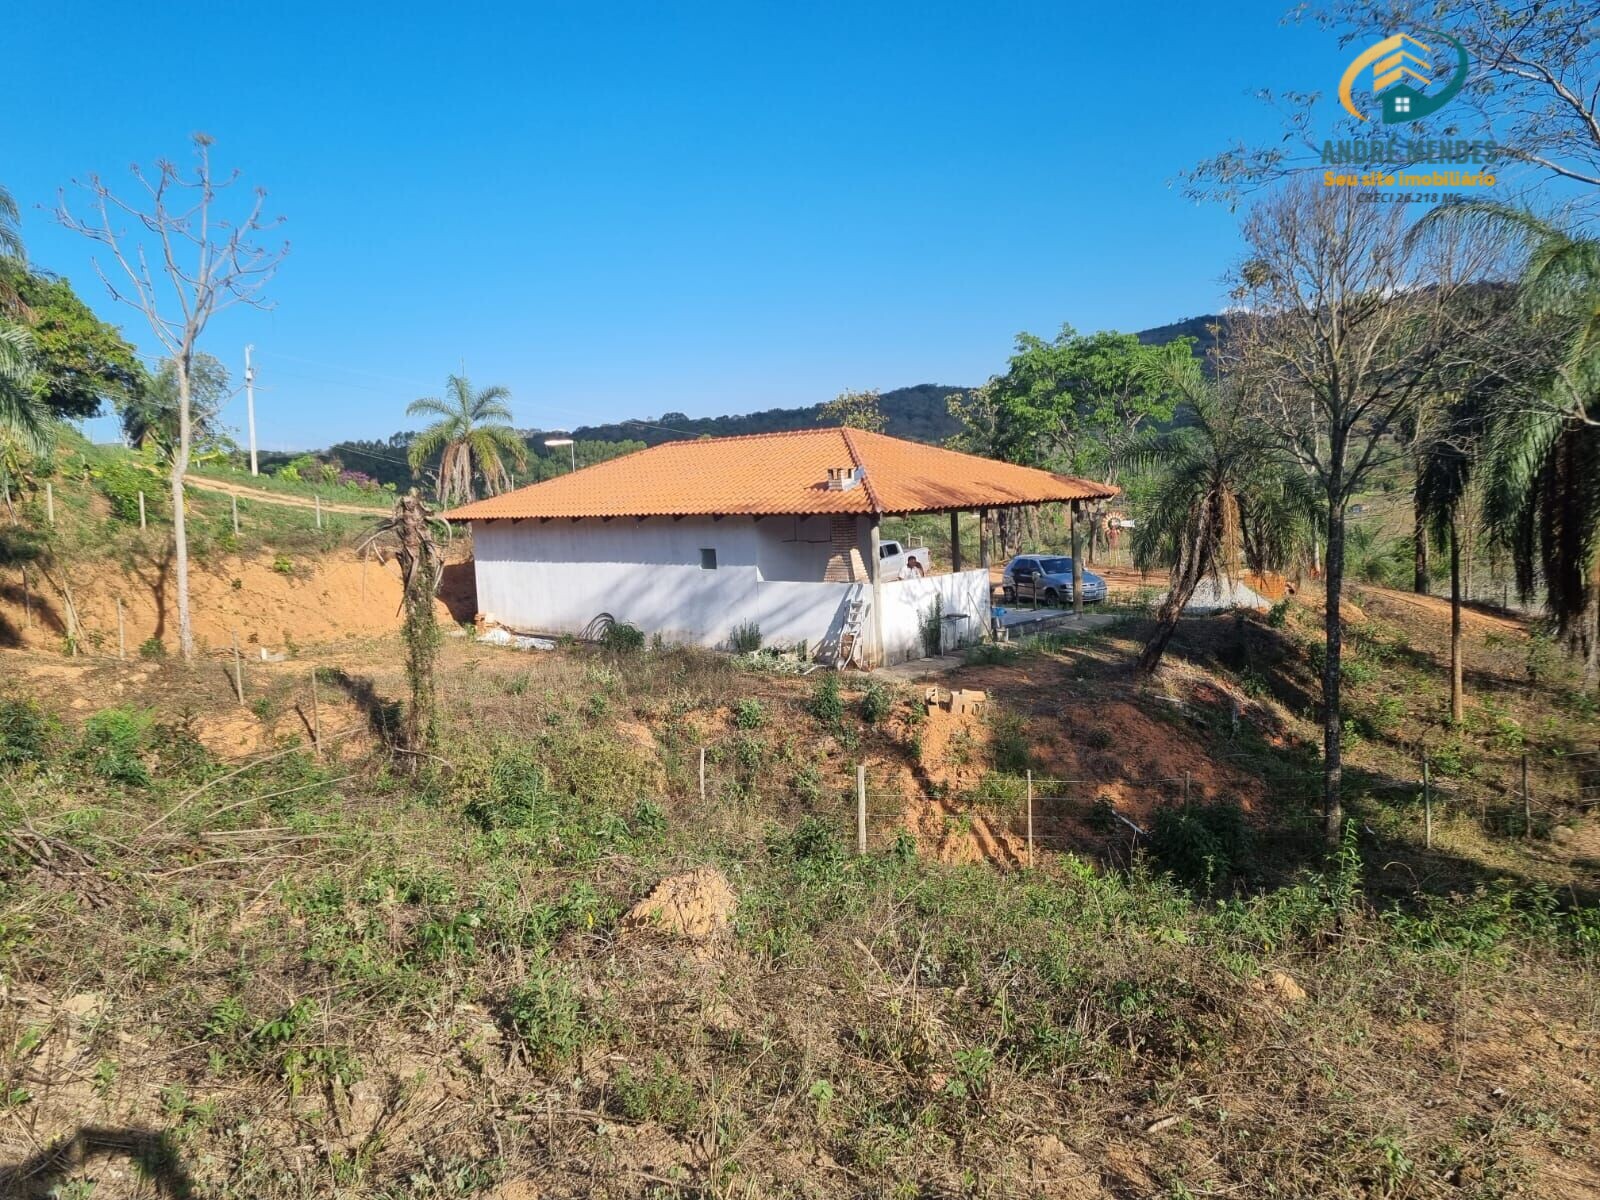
955	542
875	566
1077	566
983	538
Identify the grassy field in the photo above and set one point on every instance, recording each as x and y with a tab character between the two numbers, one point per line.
353	974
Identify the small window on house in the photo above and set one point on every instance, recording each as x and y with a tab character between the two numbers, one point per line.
708	560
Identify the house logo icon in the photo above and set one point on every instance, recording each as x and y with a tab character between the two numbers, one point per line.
1402	67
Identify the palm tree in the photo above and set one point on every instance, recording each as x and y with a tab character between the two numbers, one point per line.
149	416
21	414
1542	439
1225	500
473	438
22	417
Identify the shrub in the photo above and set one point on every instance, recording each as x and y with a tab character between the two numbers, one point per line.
1008	743
748	714
1382	718
24	732
746	637
663	1095
827	705
546	1014
992	654
152	647
807	784
120	481
517	795
623	638
812	841
283	564
876	702
112	739
1201	842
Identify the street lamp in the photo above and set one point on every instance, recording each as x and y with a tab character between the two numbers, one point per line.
568	442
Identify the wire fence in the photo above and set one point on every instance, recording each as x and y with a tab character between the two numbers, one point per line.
1015	817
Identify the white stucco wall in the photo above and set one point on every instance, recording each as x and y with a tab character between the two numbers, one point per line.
906	603
558	576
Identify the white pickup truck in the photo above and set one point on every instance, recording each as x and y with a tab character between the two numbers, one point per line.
896	560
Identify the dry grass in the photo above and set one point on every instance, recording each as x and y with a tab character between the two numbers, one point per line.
326	978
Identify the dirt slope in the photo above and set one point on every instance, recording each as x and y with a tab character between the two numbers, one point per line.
305	602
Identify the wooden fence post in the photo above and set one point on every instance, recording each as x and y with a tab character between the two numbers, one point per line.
233	499
1427	804
1030	816
50	501
316	715
861	808
122	639
1186	789
27	600
141	510
702	774
1527	801
238	669
318	499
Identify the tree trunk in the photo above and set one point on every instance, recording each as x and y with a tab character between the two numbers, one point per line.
1166	625
1419	548
1332	677
1591	662
180	532
419	572
1455	623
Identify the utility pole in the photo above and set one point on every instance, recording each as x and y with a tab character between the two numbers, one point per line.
250	405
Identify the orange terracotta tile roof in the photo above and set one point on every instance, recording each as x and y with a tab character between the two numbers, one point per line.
771	474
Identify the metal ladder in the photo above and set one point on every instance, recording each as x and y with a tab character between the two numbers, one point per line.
851	642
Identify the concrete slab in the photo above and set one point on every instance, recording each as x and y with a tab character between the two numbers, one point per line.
920	668
1020	622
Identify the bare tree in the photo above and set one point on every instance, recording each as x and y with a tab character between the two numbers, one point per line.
179	261
1343	320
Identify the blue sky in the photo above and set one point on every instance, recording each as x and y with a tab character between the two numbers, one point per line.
623	210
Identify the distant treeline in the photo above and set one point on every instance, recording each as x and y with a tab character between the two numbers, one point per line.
919	414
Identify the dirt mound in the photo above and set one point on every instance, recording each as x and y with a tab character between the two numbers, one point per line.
1058	1172
1279	987
696	906
1269	584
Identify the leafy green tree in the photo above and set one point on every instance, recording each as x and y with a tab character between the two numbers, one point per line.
150	413
79	360
855	410
471	440
1080	401
1226	499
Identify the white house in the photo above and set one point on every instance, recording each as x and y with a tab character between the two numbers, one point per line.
693	539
